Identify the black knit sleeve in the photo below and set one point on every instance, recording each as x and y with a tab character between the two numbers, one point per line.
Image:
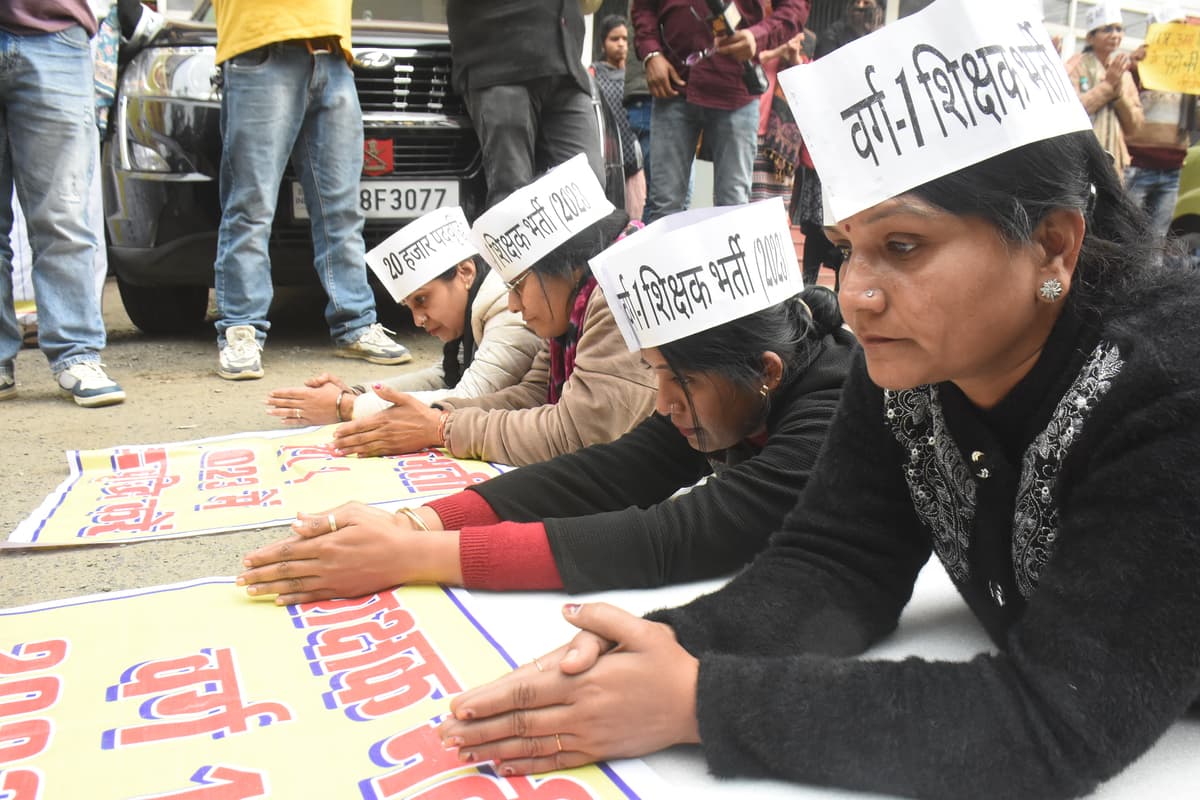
641	468
1102	662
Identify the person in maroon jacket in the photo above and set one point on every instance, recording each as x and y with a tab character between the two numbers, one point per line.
699	87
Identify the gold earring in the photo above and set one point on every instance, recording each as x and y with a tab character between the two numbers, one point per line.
764	390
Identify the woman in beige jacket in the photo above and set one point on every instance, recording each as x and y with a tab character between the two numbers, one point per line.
584	387
1105	86
486	348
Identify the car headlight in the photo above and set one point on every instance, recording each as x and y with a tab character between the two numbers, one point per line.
183	73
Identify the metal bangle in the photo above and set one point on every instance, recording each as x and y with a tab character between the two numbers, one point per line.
337	407
415	517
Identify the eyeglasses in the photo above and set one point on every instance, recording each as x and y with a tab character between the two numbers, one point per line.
515	284
1111	29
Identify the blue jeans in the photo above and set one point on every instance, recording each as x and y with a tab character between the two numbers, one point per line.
638	112
48	149
281	101
1155	191
675	127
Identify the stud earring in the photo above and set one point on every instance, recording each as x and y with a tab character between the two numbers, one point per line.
764	390
1051	290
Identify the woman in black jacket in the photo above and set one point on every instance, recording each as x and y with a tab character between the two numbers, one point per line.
745	404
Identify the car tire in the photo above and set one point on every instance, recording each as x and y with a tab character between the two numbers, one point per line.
165	310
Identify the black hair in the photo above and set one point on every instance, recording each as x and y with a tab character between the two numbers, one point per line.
452	367
792	329
575	253
582	247
607	25
1014	191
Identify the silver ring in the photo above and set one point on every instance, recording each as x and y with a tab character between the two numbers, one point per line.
296	413
332	522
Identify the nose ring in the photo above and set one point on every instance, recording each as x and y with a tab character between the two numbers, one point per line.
869	293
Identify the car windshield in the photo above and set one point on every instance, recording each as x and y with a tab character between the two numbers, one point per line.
388	10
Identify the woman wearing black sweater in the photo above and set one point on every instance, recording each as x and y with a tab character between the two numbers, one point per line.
746	404
1026	409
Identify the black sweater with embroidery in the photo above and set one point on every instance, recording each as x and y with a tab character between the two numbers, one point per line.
1074	535
609	516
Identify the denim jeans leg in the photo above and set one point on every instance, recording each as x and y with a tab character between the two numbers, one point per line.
733	138
639	119
328	159
1155	191
674	132
262	106
48	149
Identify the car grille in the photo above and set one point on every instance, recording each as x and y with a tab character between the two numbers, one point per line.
415	81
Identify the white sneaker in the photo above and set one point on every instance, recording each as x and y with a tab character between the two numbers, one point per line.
8	384
240	359
374	345
148	26
90	386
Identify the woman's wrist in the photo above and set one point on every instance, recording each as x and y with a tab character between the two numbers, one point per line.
434	557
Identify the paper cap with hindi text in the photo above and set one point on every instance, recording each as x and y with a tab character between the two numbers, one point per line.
698	269
1103	13
956	83
1168	14
521	229
421	250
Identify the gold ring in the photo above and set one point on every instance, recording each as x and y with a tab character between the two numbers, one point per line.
539	666
296	413
558	742
332	522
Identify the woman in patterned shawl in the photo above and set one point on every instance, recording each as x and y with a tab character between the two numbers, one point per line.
1025	409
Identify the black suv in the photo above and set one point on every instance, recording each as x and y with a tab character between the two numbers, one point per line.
162	157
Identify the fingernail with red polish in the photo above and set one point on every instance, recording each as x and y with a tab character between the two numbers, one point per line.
571	609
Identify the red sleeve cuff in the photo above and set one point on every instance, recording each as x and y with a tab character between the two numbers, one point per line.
457	511
510	555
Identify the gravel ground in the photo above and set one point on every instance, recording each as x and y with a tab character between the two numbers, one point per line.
174	394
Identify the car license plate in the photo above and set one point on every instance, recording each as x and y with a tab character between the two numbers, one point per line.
391	199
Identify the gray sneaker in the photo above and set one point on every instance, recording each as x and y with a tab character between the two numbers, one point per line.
240	359
374	345
8	384
90	386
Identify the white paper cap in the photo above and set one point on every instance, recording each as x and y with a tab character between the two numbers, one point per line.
421	250
1168	14
1103	13
952	85
517	232
698	269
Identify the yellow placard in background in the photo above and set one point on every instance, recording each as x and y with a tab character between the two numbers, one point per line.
1172	62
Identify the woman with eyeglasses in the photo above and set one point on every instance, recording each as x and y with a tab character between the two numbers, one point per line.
1101	77
742	407
582	388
